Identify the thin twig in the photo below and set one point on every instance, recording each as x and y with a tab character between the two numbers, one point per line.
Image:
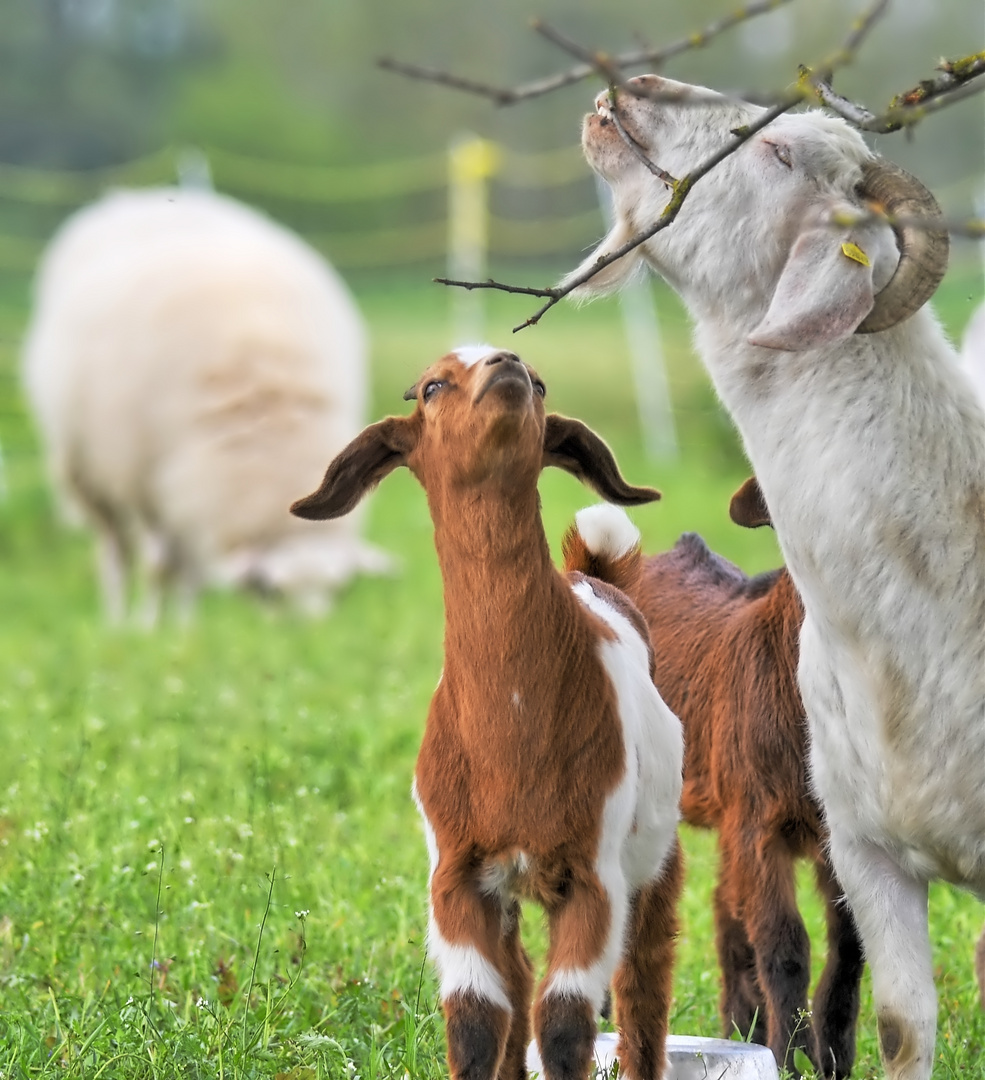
501	96
637	150
609	72
538	87
859	31
490	284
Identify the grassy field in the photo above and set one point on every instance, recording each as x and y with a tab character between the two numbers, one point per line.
210	865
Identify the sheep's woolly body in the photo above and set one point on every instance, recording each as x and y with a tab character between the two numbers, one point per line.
192	366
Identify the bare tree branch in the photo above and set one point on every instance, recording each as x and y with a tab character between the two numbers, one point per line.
679	188
538	87
955	83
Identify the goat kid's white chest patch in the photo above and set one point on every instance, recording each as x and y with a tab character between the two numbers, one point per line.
641	814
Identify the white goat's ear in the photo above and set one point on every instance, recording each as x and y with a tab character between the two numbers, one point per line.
824	292
611	277
371	455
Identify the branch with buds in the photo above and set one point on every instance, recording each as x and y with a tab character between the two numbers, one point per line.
956	81
654	58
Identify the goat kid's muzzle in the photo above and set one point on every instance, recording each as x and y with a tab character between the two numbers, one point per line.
508	370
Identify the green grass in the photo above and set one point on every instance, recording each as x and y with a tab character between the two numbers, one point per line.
164	796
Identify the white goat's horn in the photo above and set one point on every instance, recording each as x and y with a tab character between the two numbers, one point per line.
923	251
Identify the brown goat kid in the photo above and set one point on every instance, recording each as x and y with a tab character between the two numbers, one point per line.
550	767
726	651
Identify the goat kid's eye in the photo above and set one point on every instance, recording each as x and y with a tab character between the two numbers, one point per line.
431	389
540	387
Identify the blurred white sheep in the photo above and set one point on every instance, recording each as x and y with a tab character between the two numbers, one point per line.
192	366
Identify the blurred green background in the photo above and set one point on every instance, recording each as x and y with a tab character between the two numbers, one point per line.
150	785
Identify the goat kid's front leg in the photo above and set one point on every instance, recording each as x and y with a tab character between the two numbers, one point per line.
586	932
644	979
890	910
836	998
484	986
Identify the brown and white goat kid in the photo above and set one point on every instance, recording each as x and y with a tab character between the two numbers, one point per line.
726	650
550	766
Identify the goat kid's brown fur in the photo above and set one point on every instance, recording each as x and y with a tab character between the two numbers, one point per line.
523	743
726	651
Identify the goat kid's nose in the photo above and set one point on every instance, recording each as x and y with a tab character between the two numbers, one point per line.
498	358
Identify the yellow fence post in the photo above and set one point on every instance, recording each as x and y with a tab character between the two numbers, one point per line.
471	163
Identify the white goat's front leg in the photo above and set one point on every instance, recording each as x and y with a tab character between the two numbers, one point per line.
890	910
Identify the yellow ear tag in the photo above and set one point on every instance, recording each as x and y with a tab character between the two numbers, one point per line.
853	251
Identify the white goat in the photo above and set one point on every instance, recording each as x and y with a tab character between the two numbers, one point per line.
188	362
870	450
550	767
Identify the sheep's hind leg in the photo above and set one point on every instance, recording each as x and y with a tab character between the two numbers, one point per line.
890	910
644	980
836	999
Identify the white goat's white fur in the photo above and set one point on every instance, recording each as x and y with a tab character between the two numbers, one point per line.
870	451
192	366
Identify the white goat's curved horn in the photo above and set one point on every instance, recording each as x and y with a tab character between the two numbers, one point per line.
923	251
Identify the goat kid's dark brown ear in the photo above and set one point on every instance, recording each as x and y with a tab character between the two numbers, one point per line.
748	507
570	445
370	456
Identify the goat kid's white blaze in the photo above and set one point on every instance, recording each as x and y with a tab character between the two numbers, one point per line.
470	355
639	822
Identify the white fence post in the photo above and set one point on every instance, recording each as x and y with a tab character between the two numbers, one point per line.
646	356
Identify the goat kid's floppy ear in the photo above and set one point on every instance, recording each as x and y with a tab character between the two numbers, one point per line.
824	292
748	507
570	445
370	456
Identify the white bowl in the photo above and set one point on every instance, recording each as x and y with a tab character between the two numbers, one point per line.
690	1057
